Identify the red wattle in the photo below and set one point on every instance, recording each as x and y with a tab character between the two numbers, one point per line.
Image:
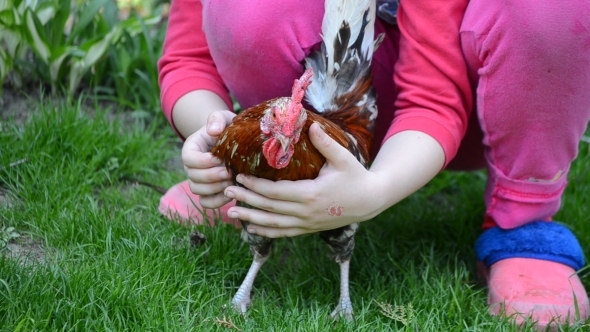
274	154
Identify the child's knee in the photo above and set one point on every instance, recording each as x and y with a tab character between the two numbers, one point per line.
551	27
527	29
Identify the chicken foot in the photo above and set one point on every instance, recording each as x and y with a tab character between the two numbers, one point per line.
260	248
242	298
344	307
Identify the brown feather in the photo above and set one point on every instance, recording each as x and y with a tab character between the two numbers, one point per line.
240	146
350	116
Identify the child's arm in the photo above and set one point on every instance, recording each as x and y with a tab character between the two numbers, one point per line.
191	87
435	95
191	111
192	92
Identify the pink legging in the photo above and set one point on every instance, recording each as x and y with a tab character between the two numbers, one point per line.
529	63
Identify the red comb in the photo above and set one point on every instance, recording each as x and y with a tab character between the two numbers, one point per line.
300	85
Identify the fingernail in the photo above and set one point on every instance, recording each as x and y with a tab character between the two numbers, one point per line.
229	194
240	178
251	230
214	126
232	214
215	160
224	174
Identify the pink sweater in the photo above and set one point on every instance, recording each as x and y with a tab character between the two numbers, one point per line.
434	97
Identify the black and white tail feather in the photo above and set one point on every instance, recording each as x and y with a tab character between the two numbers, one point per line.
348	44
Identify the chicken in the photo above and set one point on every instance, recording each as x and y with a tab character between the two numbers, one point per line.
271	140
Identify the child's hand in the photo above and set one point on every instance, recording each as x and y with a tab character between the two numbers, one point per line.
344	192
207	175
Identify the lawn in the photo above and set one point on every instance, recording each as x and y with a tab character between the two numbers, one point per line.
83	247
93	254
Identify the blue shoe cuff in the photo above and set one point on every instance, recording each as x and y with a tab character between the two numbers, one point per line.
544	240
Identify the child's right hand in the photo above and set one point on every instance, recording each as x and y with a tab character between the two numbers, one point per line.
207	175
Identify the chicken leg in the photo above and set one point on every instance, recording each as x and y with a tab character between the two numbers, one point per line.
341	242
260	248
344	307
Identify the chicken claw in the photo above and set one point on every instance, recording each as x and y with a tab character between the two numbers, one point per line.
344	309
241	303
241	300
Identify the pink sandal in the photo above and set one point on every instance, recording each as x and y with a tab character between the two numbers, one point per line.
181	205
531	274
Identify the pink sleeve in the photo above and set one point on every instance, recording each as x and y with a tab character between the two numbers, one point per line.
186	63
431	74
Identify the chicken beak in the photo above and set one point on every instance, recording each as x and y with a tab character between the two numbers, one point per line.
285	142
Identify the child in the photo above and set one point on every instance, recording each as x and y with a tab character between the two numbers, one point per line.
475	83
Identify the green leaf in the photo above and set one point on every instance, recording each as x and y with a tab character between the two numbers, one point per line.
101	26
17	16
36	35
7	19
13	39
9	4
97	48
5	65
45	12
111	13
57	62
4	4
123	59
134	25
57	25
93	51
153	20
89	12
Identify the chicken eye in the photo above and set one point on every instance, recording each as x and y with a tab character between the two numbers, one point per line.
274	111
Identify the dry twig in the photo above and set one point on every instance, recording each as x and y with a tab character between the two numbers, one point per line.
401	313
227	323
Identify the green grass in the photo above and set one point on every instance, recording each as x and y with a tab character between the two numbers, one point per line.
111	262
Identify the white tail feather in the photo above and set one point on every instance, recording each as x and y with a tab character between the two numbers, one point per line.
351	11
327	85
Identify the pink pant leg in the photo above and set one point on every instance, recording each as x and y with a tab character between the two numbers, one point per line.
531	62
258	48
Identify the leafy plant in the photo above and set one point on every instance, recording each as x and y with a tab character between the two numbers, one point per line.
5	66
70	40
76	38
401	313
11	36
6	235
130	73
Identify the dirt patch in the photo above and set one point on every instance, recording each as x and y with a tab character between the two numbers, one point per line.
175	163
16	105
26	250
5	201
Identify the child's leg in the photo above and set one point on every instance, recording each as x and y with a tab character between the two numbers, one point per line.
531	63
533	99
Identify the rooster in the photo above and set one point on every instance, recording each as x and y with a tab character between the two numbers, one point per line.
271	141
